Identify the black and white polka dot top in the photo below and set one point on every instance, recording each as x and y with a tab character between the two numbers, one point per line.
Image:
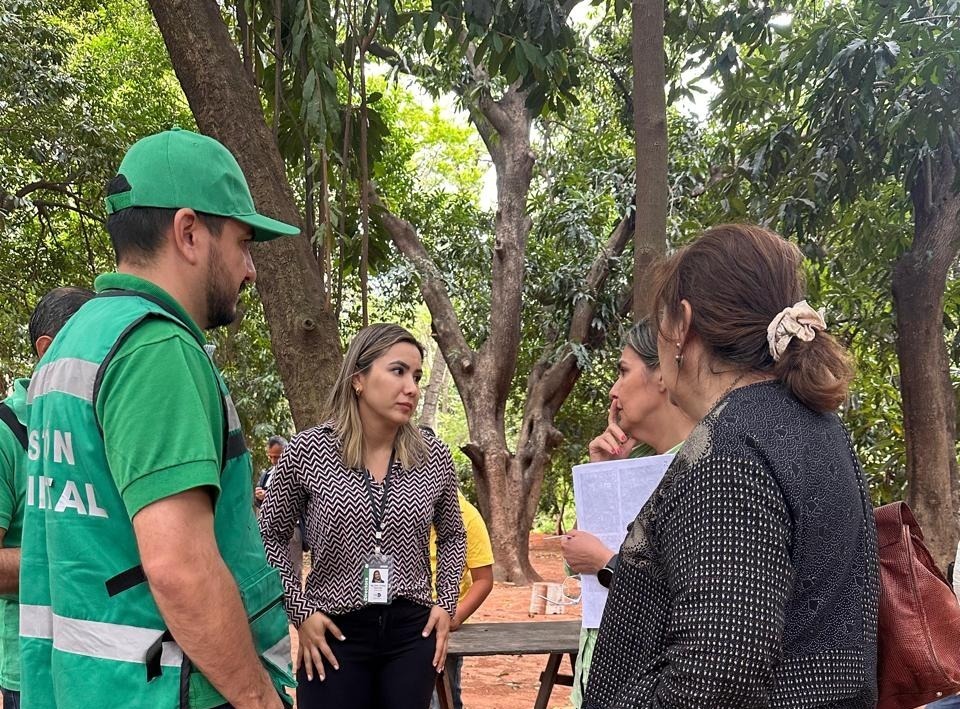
749	579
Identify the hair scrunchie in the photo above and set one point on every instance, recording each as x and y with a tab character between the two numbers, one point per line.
799	320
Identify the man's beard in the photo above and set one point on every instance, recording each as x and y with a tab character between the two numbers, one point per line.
221	303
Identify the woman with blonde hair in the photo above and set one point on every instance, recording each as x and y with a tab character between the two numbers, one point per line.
369	484
749	578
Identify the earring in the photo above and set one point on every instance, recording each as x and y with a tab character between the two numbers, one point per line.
678	358
357	391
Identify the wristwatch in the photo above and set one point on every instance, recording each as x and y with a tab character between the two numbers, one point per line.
605	575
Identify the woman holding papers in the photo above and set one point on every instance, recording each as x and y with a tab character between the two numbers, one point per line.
749	579
641	421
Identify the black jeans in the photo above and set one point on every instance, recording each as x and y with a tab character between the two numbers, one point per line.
11	699
385	662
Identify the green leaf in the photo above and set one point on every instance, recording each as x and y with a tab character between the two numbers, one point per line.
482	50
520	59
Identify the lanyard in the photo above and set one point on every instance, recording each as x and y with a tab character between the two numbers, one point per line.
379	511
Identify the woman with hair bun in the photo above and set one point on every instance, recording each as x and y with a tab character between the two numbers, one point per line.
749	579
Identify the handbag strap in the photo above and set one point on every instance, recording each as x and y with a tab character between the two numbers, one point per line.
891	519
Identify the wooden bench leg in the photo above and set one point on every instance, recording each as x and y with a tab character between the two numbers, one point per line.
547	679
443	691
567	680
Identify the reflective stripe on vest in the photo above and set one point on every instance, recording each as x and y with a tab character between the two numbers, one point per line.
75	376
279	654
69	375
78	377
105	641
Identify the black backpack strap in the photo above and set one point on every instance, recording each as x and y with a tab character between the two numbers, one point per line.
154	655
13	423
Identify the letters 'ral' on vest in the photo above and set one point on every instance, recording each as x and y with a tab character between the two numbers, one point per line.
86	645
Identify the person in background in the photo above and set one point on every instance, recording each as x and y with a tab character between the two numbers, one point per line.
640	413
140	546
475	585
275	446
369	484
51	314
750	578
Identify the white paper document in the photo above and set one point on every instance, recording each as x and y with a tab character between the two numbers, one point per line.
609	496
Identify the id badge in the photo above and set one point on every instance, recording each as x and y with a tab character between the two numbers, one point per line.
377	582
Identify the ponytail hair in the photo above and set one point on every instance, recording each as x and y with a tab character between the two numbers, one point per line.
737	279
817	372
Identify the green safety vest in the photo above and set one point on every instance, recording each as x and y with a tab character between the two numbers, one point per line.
91	633
12	414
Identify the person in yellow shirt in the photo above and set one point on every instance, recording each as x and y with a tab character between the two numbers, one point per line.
475	586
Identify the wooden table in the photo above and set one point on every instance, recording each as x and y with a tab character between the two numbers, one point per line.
552	638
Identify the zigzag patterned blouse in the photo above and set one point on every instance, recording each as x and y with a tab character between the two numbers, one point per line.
311	479
749	579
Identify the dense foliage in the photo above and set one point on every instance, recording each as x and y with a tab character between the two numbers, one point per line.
820	125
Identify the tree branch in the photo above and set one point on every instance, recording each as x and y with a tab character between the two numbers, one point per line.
43	205
494	111
584	310
392	57
550	384
476	456
457	353
32	187
479	115
488	134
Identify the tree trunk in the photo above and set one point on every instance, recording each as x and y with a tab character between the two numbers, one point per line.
508	484
503	490
486	388
435	387
226	106
929	407
650	145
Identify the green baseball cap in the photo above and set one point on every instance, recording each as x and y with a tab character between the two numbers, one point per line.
180	169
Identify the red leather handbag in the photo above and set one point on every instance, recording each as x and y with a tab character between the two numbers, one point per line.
919	623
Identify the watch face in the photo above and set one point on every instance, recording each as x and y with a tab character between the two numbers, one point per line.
605	576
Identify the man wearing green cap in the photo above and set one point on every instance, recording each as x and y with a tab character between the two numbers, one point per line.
143	578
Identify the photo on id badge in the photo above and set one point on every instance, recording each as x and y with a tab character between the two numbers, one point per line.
376	579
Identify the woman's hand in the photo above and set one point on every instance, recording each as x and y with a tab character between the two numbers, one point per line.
438	621
583	552
313	644
613	443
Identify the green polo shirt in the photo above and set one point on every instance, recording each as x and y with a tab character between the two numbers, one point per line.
12	488
159	405
160	410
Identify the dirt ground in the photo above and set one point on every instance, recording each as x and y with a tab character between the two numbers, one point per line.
510	682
